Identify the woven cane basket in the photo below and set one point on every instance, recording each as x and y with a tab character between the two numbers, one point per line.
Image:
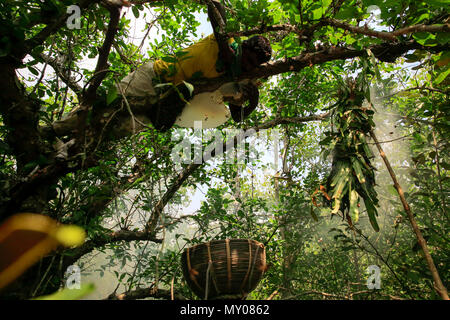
224	269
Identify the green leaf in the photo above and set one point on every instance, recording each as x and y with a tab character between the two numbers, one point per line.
317	14
135	11
112	95
392	190
443	38
358	170
189	86
169	59
422	17
313	215
438	3
372	213
354	211
425	38
442	76
346	13
33	71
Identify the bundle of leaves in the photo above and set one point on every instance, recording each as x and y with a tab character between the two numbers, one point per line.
352	174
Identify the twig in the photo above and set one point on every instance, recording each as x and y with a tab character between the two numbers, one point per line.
125	100
42	73
447	92
389	36
71	82
273	294
122	235
392	140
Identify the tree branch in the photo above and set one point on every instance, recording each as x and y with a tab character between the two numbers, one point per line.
388	36
171	191
21	116
142	293
263	29
122	235
304	60
269	69
59	68
422	88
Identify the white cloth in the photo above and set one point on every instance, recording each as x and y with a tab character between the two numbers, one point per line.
139	83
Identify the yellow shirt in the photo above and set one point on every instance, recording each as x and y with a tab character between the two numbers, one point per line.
200	59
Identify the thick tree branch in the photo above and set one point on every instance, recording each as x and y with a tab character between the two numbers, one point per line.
291	120
142	293
420	88
388	36
140	2
102	62
90	95
297	63
274	28
293	64
30	185
122	235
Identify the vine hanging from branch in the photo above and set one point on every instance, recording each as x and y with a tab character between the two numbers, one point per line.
352	174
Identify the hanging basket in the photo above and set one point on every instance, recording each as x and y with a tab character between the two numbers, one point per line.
224	269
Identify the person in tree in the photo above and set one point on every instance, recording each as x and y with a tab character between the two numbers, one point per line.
212	57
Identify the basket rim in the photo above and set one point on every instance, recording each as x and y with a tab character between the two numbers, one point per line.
224	240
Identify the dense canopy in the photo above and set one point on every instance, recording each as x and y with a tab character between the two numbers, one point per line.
349	80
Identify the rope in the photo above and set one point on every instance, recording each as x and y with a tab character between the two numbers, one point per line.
249	264
207	279
253	267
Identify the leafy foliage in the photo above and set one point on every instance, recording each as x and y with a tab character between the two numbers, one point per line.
352	174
